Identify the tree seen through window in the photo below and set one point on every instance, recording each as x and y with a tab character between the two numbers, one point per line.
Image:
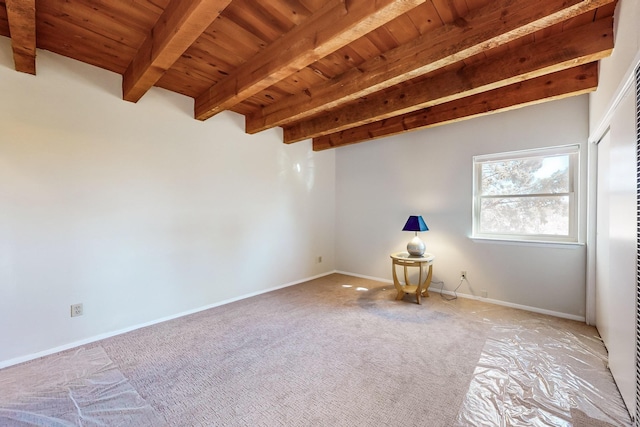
525	195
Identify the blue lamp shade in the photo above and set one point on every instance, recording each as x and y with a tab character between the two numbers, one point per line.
416	246
415	223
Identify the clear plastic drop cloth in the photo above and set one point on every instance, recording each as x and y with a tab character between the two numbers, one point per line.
537	375
76	388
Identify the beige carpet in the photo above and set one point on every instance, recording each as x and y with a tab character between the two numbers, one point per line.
340	351
580	419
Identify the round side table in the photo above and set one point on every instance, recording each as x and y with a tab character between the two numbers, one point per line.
423	263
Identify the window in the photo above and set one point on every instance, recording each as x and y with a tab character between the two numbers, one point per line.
527	195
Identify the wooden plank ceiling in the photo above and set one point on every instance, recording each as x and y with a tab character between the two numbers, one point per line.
337	71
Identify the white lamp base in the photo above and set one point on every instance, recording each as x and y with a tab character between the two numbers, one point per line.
416	246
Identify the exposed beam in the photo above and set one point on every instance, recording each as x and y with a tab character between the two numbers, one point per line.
495	24
562	84
331	28
181	23
581	45
21	15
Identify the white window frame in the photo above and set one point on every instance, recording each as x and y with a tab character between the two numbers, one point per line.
574	183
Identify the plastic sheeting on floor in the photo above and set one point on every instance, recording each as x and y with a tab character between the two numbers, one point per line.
80	388
535	375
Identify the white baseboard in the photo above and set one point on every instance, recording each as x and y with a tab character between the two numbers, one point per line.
28	357
487	300
513	305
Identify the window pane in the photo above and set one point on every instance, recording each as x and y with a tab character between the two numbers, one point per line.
525	215
532	175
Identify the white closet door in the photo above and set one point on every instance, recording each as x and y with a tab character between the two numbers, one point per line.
616	246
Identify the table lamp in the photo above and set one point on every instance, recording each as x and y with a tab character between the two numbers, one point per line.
416	246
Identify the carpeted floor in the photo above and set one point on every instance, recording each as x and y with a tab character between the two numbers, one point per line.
340	351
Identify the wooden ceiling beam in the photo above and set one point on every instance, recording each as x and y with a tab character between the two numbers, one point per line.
331	28
495	24
562	84
181	23
581	45
21	15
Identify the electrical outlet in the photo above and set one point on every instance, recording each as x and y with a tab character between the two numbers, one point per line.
463	274
76	310
484	293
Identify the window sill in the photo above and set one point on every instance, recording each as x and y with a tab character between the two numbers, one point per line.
538	243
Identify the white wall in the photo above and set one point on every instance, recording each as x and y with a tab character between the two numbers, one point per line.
380	183
138	211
